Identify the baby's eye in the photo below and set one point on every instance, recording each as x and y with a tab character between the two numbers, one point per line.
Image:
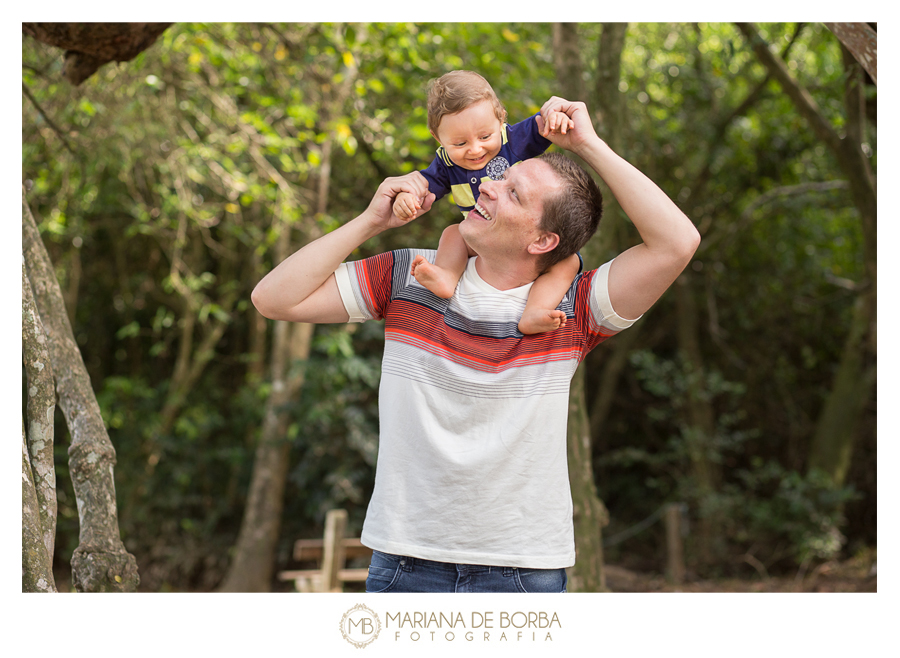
485	137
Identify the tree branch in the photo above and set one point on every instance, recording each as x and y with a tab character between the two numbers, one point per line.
801	98
47	118
746	218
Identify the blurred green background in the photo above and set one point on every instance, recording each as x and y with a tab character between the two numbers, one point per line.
166	187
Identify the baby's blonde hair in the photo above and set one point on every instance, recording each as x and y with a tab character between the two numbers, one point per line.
455	91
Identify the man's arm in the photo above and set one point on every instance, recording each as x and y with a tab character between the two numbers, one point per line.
640	275
303	287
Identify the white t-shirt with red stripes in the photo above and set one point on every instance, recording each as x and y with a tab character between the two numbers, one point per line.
472	451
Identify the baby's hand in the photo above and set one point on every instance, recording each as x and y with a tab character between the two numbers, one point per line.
406	206
559	122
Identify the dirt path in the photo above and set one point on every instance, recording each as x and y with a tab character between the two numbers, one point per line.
855	575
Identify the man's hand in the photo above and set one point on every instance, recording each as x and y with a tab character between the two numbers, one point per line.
381	209
579	132
639	275
303	287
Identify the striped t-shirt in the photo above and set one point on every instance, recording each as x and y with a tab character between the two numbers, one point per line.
472	451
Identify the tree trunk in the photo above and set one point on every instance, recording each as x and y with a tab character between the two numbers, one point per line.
39	415
609	117
589	513
251	569
587	510
100	562
699	420
567	61
853	386
609	110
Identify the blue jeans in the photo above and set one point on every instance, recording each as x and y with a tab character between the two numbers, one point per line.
397	573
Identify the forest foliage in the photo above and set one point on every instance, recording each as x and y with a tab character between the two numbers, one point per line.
162	187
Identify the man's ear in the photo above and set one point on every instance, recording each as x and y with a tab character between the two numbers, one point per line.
546	242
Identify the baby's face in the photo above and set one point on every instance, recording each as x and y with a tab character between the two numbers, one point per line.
472	137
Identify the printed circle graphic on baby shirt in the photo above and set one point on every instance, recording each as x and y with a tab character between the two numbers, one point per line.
496	167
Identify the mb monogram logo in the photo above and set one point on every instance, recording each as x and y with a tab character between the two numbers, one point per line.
360	626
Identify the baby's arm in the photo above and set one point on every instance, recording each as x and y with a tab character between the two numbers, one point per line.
449	264
547	292
406	206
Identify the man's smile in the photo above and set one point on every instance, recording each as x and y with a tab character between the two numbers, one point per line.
481	212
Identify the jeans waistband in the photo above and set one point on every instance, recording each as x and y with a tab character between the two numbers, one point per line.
408	562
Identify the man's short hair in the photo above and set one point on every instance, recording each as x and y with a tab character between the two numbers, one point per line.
455	91
573	213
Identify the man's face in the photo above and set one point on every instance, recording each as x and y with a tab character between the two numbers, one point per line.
472	137
506	217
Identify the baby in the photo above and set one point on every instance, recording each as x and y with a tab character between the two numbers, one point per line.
476	144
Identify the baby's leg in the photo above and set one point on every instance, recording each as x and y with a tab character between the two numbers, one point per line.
547	292
449	264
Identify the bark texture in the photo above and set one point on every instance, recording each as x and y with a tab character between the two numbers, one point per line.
861	40
252	567
37	571
609	102
89	46
567	61
41	403
100	562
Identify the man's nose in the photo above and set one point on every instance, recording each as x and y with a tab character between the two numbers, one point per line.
489	187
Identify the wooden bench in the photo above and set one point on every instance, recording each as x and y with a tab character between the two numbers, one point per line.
331	553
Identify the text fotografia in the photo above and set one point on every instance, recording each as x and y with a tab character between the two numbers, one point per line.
479	626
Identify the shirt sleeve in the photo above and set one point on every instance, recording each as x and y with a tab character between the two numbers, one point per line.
438	178
595	311
366	286
525	139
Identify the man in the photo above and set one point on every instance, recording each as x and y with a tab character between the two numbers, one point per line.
471	489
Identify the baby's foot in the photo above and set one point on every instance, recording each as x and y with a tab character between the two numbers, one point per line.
537	321
439	281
